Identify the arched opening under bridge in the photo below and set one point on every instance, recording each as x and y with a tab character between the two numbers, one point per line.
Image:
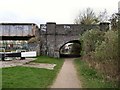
70	49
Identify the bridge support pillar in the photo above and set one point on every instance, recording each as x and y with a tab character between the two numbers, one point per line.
56	54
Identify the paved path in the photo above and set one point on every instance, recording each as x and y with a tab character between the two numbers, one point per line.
40	65
25	63
13	63
67	77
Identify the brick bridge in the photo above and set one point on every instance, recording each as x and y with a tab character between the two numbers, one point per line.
53	36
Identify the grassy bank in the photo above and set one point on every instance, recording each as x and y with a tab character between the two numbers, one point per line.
27	77
90	78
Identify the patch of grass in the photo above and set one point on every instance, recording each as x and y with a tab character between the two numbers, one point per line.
46	59
90	78
0	78
28	77
50	60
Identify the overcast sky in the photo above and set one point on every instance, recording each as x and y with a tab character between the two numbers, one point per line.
42	11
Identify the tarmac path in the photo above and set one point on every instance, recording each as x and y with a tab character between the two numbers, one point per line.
67	77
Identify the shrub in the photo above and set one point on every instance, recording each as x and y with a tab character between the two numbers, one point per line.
91	39
33	40
101	51
107	54
108	50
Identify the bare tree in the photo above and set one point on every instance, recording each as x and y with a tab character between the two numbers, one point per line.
103	16
86	17
89	17
114	21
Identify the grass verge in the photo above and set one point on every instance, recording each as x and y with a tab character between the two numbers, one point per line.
46	59
90	78
0	78
27	77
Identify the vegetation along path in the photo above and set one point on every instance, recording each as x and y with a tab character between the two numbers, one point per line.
67	77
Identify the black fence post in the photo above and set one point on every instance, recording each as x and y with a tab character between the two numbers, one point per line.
3	57
22	58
